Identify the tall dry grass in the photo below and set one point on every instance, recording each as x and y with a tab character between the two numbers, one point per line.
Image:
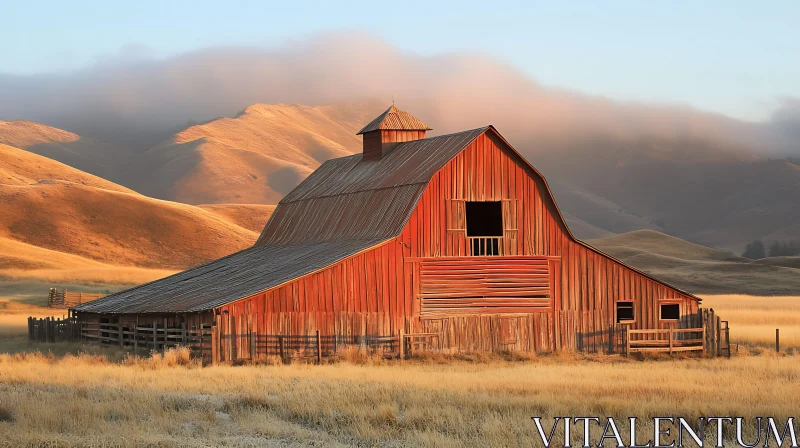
87	400
753	319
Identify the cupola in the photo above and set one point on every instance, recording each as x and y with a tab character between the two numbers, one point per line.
390	127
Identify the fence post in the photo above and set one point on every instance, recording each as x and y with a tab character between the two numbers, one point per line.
719	336
136	338
670	339
319	348
166	337
119	332
728	339
253	348
402	344
215	344
704	340
280	349
777	340
627	341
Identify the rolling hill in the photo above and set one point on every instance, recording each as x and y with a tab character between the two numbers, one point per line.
787	262
57	222
83	153
696	268
249	216
254	158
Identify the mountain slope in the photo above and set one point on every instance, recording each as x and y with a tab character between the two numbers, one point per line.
787	262
83	153
51	206
256	157
712	194
696	268
249	216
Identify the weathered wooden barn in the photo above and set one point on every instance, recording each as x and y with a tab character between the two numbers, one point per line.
453	240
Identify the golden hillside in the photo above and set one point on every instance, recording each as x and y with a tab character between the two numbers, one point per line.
254	158
250	216
22	168
55	217
84	153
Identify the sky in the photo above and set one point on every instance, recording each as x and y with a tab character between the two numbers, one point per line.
735	58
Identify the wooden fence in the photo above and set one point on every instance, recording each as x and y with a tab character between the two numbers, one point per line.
709	335
69	299
51	329
209	345
703	332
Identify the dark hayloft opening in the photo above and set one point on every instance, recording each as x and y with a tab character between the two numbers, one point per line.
670	311
484	218
624	311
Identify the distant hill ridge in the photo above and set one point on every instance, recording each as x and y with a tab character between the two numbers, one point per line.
697	268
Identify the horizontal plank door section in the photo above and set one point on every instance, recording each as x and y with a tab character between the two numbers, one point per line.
484	285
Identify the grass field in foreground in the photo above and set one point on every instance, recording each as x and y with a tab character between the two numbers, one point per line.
87	400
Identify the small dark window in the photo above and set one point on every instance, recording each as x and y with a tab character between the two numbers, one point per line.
670	311
484	219
624	311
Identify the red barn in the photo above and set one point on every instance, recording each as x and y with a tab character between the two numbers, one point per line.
454	239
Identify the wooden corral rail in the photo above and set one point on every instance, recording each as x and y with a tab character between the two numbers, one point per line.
150	338
253	346
706	333
670	340
69	299
207	343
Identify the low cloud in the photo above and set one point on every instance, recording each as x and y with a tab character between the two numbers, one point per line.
135	94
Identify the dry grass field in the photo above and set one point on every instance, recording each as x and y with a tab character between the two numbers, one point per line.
167	401
73	395
753	319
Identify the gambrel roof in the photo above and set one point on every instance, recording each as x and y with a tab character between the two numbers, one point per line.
345	207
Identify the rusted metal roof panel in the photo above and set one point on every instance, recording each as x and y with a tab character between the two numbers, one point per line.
225	280
395	119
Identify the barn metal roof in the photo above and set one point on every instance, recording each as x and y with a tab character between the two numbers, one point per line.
395	119
225	280
354	198
348	205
